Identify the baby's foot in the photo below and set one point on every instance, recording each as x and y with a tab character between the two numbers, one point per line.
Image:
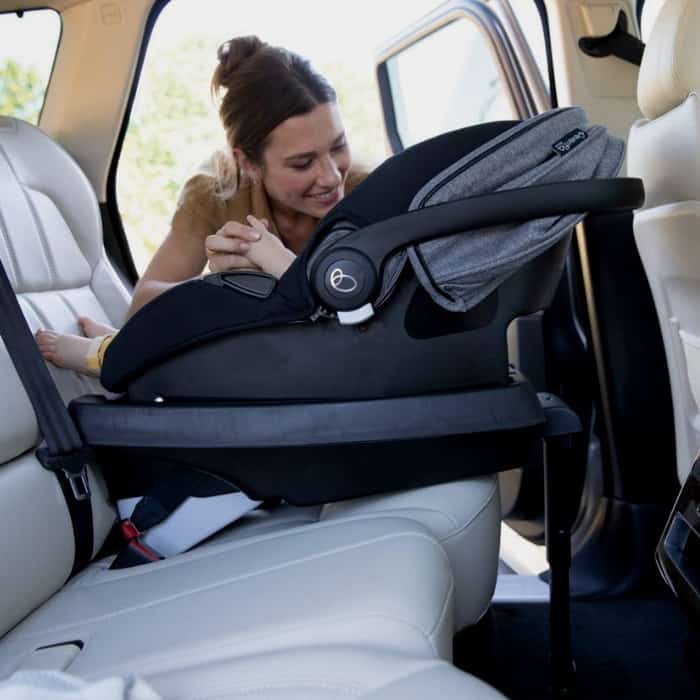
92	328
64	350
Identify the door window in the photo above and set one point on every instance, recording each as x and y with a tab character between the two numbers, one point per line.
447	80
28	43
174	127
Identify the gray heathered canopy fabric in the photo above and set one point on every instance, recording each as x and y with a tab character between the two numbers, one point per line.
459	271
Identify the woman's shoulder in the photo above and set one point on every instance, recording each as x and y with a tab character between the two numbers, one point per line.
208	180
198	189
212	188
210	198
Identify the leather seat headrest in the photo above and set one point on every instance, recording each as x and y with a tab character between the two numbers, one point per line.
670	69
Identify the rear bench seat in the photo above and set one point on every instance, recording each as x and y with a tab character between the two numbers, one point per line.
369	574
382	583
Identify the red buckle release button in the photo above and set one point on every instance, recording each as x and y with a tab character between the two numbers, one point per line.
129	530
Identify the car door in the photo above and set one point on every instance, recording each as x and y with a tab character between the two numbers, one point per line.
480	60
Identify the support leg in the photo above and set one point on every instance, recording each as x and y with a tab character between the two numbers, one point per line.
562	423
558	545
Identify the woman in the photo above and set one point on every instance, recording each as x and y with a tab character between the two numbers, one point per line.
290	163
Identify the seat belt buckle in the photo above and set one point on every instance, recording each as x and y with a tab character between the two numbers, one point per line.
129	531
79	486
135	552
73	465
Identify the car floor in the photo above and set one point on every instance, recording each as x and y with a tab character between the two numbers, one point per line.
637	647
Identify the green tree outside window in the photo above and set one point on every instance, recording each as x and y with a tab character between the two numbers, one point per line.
21	91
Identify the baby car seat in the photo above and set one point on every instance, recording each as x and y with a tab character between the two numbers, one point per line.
379	361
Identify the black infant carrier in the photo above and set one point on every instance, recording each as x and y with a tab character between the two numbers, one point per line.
378	362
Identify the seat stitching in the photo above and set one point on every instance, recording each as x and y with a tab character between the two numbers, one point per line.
218	549
53	290
484	505
353	691
174	657
675	68
443	611
14	272
228	581
43	238
222	688
429	666
391	512
433	665
61	294
36	310
14	265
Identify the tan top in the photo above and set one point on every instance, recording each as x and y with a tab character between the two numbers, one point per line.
202	212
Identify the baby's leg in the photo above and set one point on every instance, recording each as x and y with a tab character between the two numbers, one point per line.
67	351
92	328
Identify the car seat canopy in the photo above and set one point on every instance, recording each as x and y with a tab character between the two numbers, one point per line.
459	271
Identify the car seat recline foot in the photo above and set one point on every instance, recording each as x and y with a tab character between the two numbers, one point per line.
562	423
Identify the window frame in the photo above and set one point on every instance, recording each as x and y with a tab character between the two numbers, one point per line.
491	28
116	241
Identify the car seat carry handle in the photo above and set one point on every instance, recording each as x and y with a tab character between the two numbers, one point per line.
359	257
65	453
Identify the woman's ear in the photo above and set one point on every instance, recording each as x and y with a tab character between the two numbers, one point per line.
247	167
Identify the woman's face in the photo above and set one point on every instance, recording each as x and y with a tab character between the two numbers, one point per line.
306	162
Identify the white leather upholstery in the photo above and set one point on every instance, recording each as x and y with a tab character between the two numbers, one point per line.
346	672
670	68
664	150
338	672
650	12
50	246
379	583
463	516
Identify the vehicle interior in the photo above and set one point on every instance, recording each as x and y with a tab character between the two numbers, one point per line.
551	551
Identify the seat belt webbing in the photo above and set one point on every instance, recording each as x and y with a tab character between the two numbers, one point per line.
159	502
65	453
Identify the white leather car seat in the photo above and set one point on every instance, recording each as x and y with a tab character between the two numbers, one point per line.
51	245
664	150
381	584
357	674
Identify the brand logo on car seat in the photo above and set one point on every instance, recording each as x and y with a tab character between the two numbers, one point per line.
342	282
569	141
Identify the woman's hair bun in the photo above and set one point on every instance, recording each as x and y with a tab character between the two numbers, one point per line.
232	54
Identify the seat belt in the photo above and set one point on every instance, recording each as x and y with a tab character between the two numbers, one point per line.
65	454
161	501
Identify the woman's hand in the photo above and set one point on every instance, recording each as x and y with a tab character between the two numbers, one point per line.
227	249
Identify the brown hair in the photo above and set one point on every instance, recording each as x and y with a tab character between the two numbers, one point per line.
263	86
